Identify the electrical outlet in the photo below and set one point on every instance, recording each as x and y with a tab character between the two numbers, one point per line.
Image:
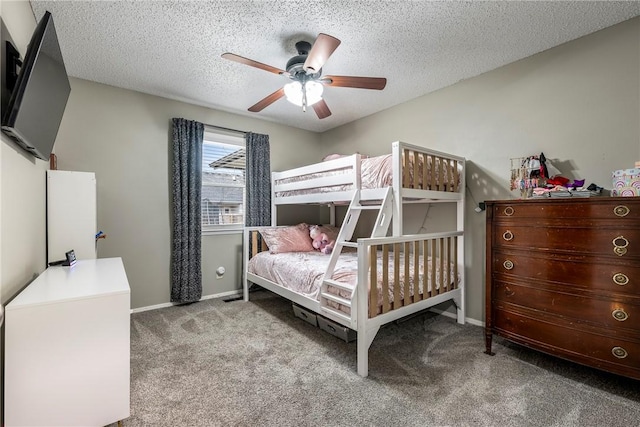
220	272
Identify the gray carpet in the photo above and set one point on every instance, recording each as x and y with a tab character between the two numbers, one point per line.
213	363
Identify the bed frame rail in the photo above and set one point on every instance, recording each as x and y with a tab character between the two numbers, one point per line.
414	269
436	254
329	181
437	250
424	170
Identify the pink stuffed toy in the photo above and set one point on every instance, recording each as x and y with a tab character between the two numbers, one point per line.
320	240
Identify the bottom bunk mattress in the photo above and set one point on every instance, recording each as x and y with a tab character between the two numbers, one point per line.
302	272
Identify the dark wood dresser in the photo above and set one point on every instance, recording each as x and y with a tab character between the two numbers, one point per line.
563	277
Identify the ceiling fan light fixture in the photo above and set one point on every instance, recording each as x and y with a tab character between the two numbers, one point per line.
293	92
305	71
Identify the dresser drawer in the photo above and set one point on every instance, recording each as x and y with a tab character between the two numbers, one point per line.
578	271
595	349
602	208
622	243
575	307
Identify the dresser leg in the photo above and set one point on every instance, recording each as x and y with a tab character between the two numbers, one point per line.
487	341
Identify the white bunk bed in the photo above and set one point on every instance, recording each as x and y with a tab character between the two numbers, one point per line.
410	273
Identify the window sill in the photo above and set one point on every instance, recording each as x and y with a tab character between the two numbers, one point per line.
222	231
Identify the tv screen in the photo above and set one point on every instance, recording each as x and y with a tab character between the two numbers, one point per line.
38	100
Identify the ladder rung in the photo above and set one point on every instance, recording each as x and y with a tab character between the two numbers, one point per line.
339	285
336	298
366	207
349	244
336	313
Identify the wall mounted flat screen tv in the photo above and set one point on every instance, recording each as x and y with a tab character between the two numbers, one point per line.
39	96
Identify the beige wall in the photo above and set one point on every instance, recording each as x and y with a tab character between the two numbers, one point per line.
124	137
578	103
22	186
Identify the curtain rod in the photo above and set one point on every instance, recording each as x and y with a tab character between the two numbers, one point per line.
227	129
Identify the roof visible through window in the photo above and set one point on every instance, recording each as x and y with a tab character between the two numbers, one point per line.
223	181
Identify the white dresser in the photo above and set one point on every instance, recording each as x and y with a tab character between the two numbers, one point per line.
67	347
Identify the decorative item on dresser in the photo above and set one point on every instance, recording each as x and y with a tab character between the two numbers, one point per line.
563	277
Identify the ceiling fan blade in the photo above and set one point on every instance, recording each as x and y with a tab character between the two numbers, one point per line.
268	100
252	63
321	50
321	109
377	83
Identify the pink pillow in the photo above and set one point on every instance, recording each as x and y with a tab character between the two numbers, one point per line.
292	238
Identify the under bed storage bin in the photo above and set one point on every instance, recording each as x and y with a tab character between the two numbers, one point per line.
337	329
306	315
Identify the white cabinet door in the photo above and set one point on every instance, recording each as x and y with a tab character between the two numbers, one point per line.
71	214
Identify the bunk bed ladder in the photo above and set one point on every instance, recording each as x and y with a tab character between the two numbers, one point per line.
380	228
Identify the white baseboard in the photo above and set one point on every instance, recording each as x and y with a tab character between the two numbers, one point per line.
171	304
222	294
453	316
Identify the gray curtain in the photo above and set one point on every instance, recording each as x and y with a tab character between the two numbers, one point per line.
186	270
258	184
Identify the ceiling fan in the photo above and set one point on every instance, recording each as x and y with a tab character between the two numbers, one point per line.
305	73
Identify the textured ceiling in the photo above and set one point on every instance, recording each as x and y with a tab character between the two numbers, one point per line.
172	49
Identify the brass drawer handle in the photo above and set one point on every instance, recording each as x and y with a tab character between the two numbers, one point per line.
619	314
508	211
619	251
508	235
620	279
621	211
619	352
620	245
620	242
508	264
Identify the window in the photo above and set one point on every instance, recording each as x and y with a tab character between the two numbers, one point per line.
223	181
